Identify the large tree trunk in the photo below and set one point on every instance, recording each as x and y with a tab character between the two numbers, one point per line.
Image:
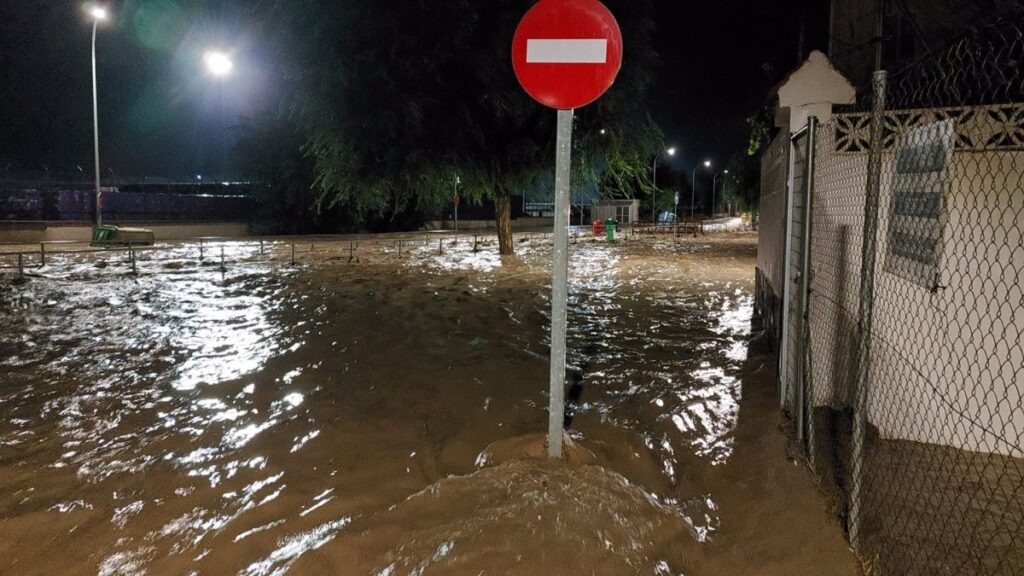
504	221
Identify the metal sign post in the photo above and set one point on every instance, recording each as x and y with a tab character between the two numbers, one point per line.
566	54
560	283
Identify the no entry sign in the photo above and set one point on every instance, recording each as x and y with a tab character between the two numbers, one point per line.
567	53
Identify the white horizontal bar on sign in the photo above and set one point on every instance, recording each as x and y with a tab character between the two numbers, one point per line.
575	51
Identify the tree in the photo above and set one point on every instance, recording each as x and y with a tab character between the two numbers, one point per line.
397	98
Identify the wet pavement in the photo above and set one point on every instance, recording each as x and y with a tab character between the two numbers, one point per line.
383	416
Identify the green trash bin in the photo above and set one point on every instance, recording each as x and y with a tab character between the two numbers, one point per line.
104	235
611	228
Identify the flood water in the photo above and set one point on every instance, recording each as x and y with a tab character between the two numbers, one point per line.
385	416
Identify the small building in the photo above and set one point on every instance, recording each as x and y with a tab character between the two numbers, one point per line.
625	211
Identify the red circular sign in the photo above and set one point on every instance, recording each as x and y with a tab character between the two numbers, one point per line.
567	53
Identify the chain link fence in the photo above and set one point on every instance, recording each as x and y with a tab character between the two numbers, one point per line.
902	345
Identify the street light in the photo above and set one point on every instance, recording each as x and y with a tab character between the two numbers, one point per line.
218	63
714	189
693	195
654	180
98	14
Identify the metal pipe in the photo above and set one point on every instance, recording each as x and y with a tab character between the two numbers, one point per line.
560	284
787	288
96	128
693	200
805	282
654	191
455	199
867	295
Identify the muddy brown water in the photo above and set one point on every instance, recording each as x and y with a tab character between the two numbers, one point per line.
386	417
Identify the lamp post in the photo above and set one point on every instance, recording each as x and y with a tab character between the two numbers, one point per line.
98	14
654	182
455	200
219	65
693	195
714	189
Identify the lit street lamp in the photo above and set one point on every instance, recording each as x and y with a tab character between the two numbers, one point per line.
98	14
693	194
714	189
219	65
654	181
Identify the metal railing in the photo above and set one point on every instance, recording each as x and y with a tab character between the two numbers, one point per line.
213	250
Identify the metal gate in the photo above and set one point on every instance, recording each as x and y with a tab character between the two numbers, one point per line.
792	357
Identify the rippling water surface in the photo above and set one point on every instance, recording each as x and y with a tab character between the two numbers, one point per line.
338	416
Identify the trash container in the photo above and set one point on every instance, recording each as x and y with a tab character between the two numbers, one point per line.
611	227
599	228
104	235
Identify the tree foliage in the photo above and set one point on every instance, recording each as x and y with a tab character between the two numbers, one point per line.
394	99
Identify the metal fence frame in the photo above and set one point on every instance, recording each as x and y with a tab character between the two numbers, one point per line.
921	446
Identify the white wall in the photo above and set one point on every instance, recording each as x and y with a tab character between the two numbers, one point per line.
947	365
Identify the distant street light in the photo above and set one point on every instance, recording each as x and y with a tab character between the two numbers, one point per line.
218	63
714	189
693	194
654	182
98	14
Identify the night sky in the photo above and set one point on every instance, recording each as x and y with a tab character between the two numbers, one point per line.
161	115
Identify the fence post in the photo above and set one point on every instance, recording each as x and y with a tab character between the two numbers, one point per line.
21	266
476	244
261	247
399	248
351	251
223	268
805	411
440	246
867	295
293	254
785	386
131	254
42	254
202	253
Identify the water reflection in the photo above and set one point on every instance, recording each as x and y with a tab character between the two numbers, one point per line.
236	423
